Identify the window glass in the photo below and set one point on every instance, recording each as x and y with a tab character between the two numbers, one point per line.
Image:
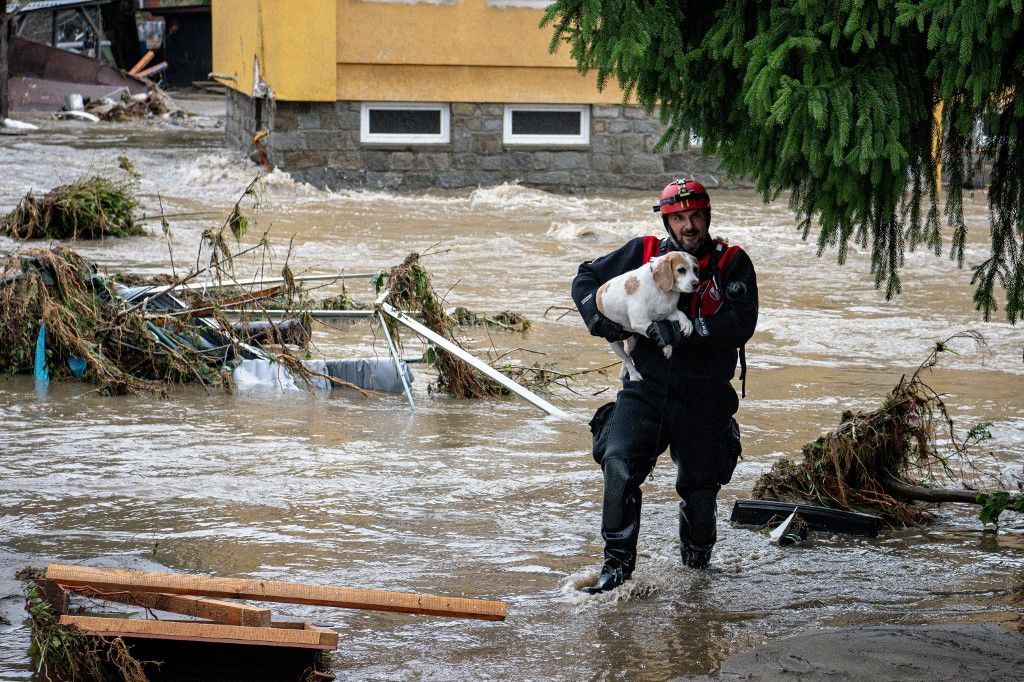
549	125
404	123
545	122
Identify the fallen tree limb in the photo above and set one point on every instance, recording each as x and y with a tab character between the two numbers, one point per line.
896	486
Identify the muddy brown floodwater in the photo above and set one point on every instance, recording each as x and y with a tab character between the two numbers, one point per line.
492	499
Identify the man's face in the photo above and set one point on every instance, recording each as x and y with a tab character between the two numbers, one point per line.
690	228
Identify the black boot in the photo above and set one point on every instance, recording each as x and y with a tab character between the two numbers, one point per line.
695	556
619	547
697	521
610	578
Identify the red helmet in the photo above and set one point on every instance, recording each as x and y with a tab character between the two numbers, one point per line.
682	195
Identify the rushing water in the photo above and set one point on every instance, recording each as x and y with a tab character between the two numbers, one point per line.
492	499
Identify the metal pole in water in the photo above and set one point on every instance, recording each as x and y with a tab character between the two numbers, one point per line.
393	350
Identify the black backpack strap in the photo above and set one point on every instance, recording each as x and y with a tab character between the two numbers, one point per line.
743	371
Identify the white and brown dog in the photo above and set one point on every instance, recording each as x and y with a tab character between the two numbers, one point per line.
651	292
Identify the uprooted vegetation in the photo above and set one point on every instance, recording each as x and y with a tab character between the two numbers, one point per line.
411	290
89	208
87	323
64	653
872	460
507	320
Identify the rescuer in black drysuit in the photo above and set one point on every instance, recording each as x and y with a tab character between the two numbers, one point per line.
686	402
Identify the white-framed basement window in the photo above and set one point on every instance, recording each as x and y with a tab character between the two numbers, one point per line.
547	124
405	123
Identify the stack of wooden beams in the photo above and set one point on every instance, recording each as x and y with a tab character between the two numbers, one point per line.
226	622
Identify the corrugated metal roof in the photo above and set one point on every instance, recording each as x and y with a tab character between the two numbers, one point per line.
40	5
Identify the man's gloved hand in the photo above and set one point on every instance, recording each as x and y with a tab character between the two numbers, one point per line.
665	333
610	331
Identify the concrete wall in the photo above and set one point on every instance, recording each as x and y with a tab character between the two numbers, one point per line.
318	142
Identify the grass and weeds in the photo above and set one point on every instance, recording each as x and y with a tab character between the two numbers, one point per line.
90	208
60	653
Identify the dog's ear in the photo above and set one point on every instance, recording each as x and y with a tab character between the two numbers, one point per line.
664	277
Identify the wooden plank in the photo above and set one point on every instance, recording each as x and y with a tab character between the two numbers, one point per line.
198	632
327	636
218	611
114	579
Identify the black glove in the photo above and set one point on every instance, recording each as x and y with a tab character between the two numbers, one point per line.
665	333
600	325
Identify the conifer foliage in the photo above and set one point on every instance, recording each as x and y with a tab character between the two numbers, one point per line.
837	103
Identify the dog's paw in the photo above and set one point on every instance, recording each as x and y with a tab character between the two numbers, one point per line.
686	326
667	350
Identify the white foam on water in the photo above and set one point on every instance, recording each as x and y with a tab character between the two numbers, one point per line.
511	196
601	230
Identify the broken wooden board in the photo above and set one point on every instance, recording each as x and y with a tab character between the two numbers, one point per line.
312	638
227	613
54	595
119	579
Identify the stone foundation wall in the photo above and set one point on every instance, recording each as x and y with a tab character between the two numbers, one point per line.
318	142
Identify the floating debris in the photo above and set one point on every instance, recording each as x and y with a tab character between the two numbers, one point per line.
866	463
88	322
507	320
131	107
342	301
91	208
71	644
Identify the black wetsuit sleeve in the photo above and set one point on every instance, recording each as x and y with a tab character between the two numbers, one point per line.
592	274
734	323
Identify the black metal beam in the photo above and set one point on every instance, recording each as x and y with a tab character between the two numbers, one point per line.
5	104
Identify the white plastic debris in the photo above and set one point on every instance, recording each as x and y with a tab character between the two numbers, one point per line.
83	115
18	125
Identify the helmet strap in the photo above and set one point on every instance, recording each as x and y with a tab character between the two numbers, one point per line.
671	237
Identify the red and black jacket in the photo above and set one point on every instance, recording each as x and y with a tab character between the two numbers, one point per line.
723	309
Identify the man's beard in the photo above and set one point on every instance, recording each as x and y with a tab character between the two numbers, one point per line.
693	248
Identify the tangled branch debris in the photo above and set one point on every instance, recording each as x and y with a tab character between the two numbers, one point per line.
90	330
411	290
87	322
90	208
853	467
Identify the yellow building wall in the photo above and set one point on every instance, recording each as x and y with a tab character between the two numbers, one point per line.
464	51
294	43
368	50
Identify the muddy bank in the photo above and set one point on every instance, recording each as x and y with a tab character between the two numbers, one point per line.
981	652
